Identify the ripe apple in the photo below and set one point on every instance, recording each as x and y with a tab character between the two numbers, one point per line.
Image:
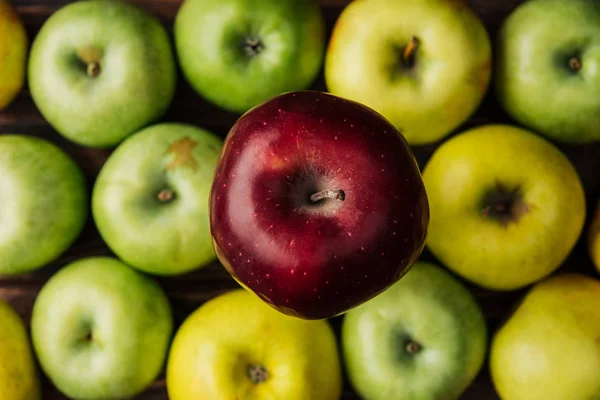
101	330
13	53
593	237
236	347
44	201
150	200
19	378
507	206
240	53
423	338
547	68
424	64
549	348
101	70
317	204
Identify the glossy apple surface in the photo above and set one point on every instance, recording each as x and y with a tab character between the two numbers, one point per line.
307	257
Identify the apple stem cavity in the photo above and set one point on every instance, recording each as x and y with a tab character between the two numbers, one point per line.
165	195
408	54
253	46
505	205
413	347
575	64
336	194
93	69
257	373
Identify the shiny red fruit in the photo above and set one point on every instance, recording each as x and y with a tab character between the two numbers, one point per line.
317	204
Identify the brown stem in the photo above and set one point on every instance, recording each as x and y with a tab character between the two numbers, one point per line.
93	69
413	347
253	46
409	50
575	64
257	373
337	194
165	195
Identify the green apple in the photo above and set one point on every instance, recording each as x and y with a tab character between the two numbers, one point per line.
239	53
549	348
101	70
44	201
548	68
151	198
13	53
423	64
19	378
507	206
237	347
424	338
101	330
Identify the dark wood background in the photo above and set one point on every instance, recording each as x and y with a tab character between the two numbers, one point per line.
190	291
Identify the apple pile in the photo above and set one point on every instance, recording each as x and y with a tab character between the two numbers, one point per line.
313	202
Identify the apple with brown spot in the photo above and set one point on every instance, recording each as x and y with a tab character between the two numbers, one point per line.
317	204
150	201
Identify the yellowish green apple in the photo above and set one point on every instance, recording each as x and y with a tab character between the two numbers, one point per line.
13	53
593	237
424	64
549	348
237	347
507	206
19	378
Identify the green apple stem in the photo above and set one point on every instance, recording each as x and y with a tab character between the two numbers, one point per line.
253	46
165	195
336	194
408	55
575	63
93	69
257	373
413	347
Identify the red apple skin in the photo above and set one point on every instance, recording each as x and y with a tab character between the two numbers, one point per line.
316	261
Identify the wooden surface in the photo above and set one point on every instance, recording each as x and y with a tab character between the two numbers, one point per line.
190	291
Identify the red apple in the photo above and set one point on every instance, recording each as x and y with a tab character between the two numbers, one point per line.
317	204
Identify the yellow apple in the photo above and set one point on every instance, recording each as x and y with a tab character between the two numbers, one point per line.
549	348
237	347
507	206
13	53
593	238
19	379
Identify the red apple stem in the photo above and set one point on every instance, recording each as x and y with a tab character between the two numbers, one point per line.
335	194
409	50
